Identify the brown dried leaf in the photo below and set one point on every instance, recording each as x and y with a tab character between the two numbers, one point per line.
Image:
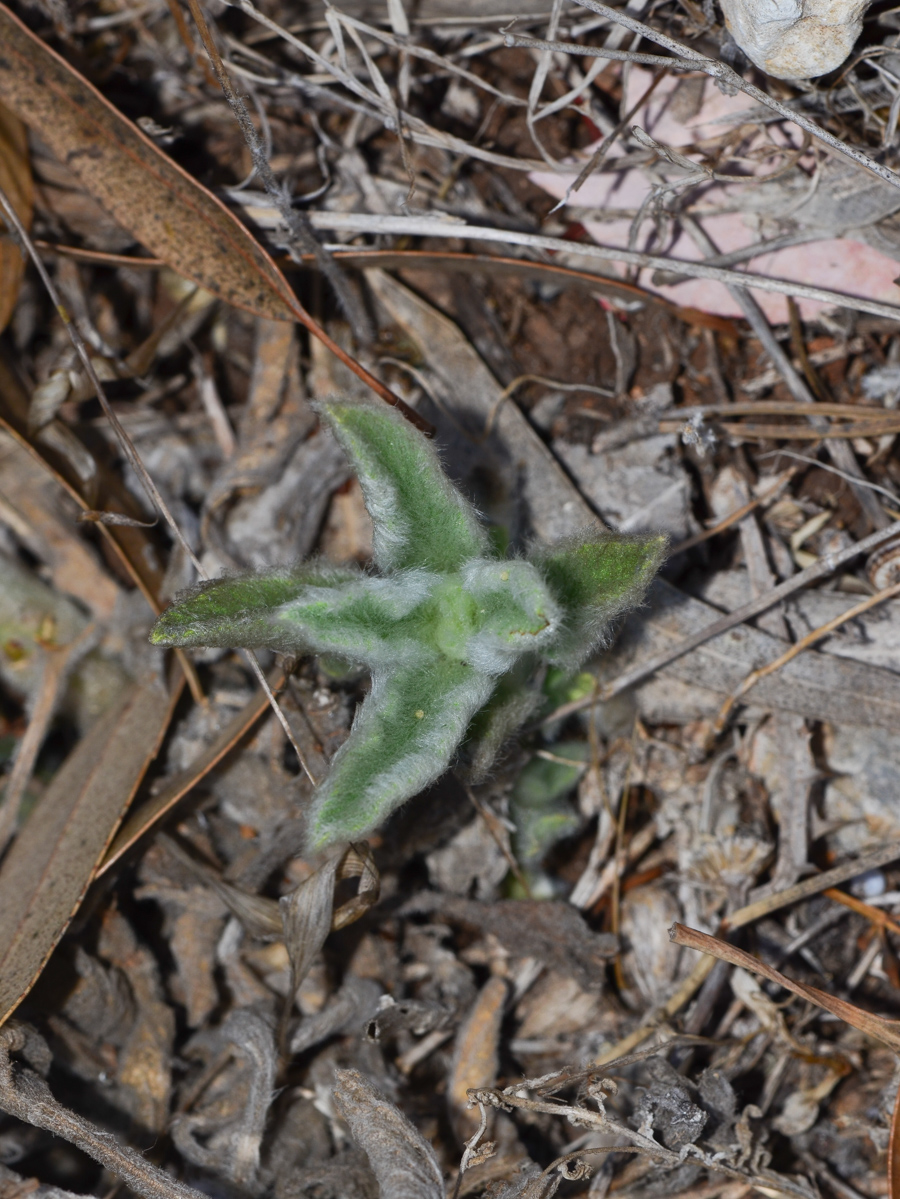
403	1163
358	862
894	1155
15	179
553	932
147	193
886	1031
477	1054
145	1059
156	809
306	914
47	871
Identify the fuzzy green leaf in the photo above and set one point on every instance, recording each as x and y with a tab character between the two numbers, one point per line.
238	610
517	613
403	738
538	802
345	613
419	517
593	582
454	636
514	699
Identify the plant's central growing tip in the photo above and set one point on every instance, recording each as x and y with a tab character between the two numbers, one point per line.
453	636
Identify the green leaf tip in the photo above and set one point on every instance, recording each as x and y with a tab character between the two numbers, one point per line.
594	579
419	518
453	635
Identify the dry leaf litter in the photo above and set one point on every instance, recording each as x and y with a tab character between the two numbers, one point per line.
545	254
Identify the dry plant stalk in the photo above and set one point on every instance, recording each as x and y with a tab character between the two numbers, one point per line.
886	1031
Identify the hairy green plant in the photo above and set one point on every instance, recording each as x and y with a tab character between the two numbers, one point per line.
452	634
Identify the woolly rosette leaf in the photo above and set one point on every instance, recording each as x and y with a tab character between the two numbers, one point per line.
452	635
594	579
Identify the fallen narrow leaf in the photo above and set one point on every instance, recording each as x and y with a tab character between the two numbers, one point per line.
166	209
52	862
886	1031
476	1056
149	814
893	1172
15	179
142	188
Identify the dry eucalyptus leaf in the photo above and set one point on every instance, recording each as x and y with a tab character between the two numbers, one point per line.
15	178
50	865
306	916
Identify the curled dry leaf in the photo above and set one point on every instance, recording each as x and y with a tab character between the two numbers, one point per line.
402	1161
15	179
308	913
234	1150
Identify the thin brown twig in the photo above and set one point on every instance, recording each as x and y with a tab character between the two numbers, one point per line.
25	1095
886	1031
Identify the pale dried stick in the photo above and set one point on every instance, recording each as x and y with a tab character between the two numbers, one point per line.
25	1095
433	226
593	163
813	886
134	459
803	644
826	565
756	318
538	80
414	127
437	60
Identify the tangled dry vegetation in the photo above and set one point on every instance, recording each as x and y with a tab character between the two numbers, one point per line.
486	998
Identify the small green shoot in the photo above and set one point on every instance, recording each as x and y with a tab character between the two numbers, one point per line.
451	633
